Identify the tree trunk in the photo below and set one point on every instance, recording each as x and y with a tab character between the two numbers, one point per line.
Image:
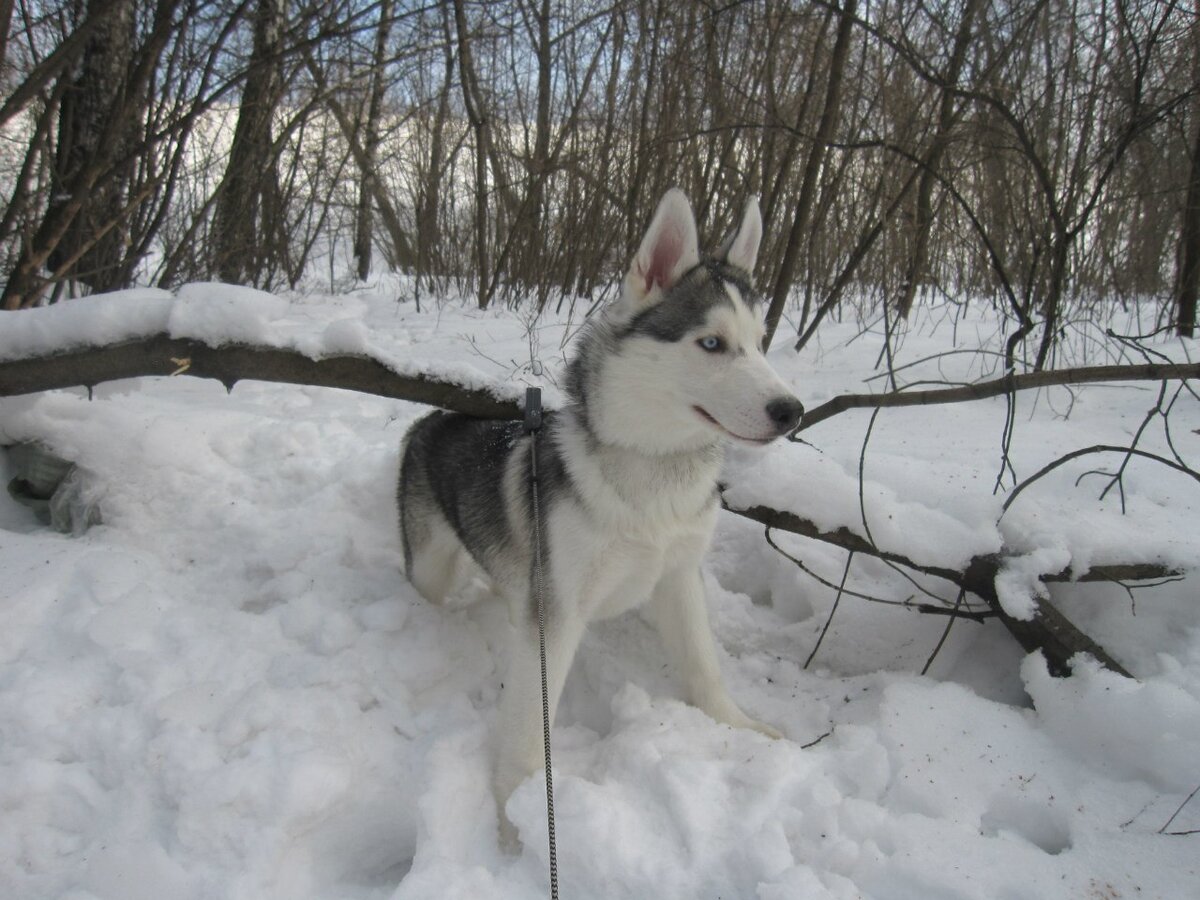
643	78
6	11
782	170
429	193
479	125
401	248
1189	249
363	225
87	107
812	170
83	234
1188	277
1052	301
245	222
918	261
539	169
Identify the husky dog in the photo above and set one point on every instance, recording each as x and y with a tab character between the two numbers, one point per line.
627	487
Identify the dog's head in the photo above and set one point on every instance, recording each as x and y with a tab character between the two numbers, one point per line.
686	365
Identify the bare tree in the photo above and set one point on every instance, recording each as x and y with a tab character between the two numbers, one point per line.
375	94
6	11
948	112
802	208
433	165
1188	278
247	208
83	232
484	151
1037	154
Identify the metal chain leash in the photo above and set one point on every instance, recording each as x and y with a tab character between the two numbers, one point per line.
533	424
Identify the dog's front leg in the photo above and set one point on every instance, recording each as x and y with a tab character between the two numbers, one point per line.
521	750
678	611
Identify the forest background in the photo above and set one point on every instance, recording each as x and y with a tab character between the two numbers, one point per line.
1042	155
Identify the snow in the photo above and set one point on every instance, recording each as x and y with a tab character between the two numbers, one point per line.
219	314
372	325
229	690
102	320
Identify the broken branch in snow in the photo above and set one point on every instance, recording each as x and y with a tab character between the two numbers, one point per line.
163	355
1049	630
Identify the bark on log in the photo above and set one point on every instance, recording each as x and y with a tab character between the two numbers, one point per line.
163	355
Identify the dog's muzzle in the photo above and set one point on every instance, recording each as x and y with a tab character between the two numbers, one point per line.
785	413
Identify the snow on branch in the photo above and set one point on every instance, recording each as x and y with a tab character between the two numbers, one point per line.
1048	630
163	355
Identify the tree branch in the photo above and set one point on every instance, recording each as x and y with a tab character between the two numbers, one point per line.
1000	386
1048	631
163	355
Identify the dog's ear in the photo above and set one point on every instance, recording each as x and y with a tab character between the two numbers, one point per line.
741	248
669	249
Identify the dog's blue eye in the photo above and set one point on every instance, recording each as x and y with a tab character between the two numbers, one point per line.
711	343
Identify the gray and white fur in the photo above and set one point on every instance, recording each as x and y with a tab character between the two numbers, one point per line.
660	381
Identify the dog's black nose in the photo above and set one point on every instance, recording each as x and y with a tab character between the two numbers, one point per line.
785	412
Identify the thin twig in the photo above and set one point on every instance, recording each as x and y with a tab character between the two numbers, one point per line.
975	615
1118	478
1167	824
1099	448
836	601
935	357
962	593
817	740
862	508
1010	427
823	581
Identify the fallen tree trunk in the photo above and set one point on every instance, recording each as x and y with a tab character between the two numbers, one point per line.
230	363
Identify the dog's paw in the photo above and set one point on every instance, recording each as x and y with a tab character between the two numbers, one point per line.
509	837
505	780
741	720
764	728
726	711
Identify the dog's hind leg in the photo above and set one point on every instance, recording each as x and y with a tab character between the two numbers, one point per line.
436	561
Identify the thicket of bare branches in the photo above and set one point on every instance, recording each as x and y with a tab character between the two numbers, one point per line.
1043	155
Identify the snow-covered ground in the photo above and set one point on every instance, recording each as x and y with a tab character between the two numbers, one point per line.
228	690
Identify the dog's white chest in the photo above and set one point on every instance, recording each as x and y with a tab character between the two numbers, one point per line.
627	569
634	570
